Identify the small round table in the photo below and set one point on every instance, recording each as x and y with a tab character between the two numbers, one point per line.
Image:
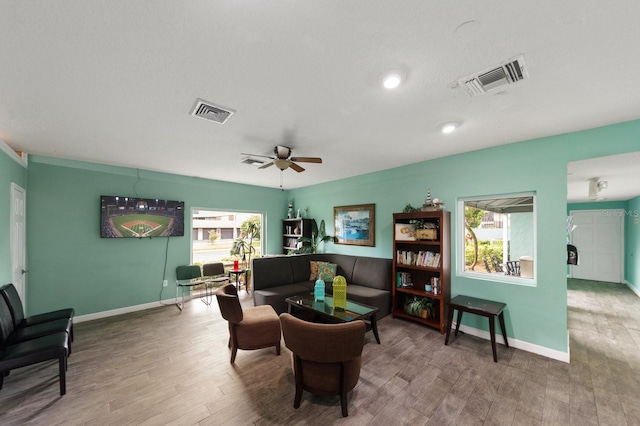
237	273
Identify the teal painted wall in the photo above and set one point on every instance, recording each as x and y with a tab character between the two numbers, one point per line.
537	315
10	172
632	244
73	266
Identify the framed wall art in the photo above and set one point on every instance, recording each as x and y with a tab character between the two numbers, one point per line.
355	225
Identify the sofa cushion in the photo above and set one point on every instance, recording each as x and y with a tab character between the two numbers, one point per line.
327	271
278	271
313	266
381	299
275	296
301	266
345	263
372	272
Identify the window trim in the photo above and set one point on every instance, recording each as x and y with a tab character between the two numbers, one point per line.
461	232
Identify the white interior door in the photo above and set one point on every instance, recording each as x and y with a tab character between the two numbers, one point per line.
599	239
17	238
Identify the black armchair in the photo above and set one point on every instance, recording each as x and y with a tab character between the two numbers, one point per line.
33	351
12	298
27	330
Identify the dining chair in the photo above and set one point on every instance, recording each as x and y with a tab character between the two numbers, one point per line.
188	277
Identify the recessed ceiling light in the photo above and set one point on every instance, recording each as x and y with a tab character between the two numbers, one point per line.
449	127
392	80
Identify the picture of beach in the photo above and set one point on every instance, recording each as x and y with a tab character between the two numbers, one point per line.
355	225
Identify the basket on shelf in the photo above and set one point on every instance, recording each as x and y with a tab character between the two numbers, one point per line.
427	234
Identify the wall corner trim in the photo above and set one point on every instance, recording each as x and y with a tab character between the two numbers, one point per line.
12	154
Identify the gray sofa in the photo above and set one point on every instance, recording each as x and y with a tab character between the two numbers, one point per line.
276	278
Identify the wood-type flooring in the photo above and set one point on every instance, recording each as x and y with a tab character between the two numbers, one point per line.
162	366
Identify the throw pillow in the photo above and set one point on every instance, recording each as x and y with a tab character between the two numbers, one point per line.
313	265
327	271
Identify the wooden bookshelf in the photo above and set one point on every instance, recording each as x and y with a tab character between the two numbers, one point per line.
416	258
292	229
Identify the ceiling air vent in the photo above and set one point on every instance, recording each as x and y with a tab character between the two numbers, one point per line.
508	72
252	161
210	111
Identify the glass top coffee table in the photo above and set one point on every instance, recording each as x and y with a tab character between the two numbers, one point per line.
325	311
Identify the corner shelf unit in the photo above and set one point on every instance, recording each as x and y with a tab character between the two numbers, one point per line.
410	257
292	229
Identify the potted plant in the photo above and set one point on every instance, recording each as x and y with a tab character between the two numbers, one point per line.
419	307
242	247
413	306
426	308
318	236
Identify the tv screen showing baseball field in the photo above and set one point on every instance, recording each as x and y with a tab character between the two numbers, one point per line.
132	217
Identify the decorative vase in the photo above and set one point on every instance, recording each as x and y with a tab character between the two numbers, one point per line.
318	290
340	292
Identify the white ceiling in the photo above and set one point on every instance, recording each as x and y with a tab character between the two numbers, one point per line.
114	81
621	172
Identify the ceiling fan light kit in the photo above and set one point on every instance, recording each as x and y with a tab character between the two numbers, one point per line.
282	159
281	164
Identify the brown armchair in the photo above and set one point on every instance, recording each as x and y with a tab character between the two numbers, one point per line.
326	357
252	328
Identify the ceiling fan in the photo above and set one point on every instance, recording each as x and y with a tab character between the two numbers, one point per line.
283	159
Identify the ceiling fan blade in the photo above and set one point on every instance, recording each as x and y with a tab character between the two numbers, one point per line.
307	159
266	165
257	155
296	167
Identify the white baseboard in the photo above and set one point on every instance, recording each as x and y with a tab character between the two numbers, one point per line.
518	344
126	310
632	288
515	343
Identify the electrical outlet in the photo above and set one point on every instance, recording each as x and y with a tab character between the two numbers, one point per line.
165	283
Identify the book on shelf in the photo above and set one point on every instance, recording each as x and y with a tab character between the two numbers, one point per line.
435	285
427	259
403	279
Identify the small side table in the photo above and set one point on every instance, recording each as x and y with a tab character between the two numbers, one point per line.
485	308
237	273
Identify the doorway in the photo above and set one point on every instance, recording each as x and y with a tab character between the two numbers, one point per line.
17	241
599	237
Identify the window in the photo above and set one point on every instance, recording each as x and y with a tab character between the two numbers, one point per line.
498	238
215	235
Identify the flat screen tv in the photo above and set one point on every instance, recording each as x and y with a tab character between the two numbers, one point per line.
132	217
